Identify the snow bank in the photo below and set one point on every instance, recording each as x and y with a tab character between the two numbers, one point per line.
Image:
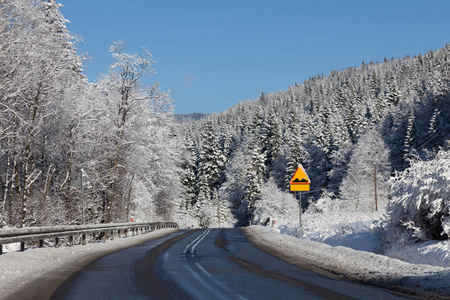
357	231
354	230
359	265
436	253
18	269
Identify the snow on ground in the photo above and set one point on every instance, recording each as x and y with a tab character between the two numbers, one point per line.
436	253
17	269
425	265
357	231
336	229
357	265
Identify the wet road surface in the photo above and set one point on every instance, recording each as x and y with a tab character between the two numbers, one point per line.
205	264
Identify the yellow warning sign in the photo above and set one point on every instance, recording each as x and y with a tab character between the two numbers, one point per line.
300	181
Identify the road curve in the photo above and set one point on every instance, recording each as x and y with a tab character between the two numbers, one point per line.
205	264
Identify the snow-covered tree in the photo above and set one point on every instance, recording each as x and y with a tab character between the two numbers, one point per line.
420	205
39	64
256	170
233	189
365	188
275	204
211	161
188	177
393	93
273	137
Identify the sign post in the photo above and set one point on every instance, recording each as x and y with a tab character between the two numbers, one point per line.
300	182
82	182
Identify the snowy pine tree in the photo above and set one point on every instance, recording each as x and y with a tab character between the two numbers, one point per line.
256	169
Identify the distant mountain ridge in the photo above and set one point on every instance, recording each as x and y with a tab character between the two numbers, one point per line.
184	118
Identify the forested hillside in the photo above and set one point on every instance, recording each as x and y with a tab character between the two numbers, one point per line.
343	128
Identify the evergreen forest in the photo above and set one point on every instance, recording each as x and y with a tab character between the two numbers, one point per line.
345	129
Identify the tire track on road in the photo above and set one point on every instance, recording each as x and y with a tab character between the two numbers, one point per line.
145	273
222	242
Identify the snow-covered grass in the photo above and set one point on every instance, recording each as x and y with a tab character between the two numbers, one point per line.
17	269
359	265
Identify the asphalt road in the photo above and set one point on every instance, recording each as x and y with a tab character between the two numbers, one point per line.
205	264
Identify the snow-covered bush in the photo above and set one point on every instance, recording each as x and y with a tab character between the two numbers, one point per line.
327	203
420	206
276	205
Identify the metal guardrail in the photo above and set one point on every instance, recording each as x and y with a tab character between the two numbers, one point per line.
102	231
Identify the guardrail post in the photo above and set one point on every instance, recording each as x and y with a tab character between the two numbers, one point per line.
83	239
103	235
22	246
93	237
41	243
70	240
56	242
112	235
1	249
126	232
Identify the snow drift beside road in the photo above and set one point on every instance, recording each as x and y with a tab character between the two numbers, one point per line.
359	265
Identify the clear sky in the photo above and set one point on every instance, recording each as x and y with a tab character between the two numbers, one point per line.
212	54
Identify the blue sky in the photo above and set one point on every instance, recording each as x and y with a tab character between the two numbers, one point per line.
213	54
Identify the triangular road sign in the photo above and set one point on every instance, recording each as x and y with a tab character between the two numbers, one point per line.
300	181
82	181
